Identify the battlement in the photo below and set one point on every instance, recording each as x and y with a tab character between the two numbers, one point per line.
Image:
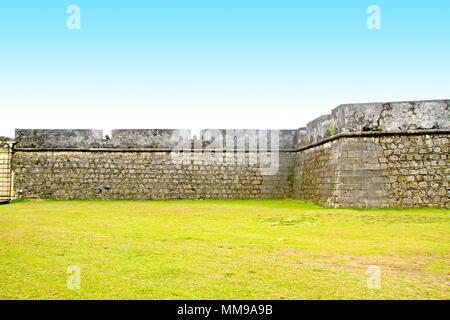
144	139
390	116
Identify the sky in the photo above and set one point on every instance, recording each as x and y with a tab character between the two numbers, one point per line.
203	64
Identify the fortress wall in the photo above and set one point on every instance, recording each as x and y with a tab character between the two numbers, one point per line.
315	172
287	139
93	139
406	169
417	168
361	155
145	176
58	138
376	155
391	116
344	172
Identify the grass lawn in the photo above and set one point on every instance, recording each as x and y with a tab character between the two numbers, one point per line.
255	249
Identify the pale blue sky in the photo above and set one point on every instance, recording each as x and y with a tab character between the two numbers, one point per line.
214	63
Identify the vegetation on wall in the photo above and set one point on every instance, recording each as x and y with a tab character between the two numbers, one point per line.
332	128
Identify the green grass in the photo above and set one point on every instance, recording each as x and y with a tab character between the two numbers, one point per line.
261	249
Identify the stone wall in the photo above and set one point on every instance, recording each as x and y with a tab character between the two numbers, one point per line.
49	139
314	173
243	138
57	138
145	176
360	155
417	168
139	139
5	169
390	116
376	170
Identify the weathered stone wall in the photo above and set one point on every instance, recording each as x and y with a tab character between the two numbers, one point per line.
360	180
390	116
145	175
93	139
341	172
140	139
57	138
242	138
363	155
417	168
314	173
375	171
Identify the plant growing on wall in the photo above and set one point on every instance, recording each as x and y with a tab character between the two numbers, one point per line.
332	129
